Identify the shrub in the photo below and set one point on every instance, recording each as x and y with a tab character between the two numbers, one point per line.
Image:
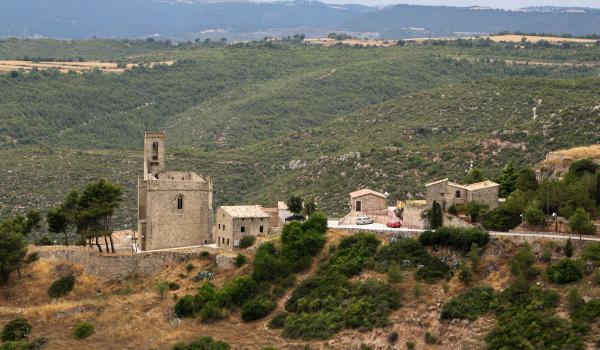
84	330
596	277
247	241
185	307
174	286
465	274
522	263
33	257
501	219
316	222
278	321
430	339
568	248
455	237
432	269
161	288
240	260
591	253
533	215
238	291
61	286
394	273
565	271
470	304
189	267
16	329
392	337
202	343
256	309
410	345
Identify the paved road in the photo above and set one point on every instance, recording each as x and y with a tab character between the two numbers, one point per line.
382	228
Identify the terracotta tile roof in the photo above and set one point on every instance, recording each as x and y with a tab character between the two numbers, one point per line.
245	211
366	191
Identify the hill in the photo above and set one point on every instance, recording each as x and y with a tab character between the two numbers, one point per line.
130	313
244	20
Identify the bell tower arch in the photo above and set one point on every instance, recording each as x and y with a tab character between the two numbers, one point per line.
154	153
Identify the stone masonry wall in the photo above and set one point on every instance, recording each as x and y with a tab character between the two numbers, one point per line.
118	266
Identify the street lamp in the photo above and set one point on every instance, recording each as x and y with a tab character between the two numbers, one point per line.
555	222
522	220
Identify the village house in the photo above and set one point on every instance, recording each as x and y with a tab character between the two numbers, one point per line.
366	201
174	208
448	193
235	222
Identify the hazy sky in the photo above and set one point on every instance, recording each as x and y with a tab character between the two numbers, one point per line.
506	4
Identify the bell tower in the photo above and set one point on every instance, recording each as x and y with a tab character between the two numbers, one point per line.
154	153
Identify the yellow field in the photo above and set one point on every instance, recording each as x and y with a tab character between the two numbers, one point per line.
64	67
530	38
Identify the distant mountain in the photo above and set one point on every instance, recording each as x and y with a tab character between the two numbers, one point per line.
238	20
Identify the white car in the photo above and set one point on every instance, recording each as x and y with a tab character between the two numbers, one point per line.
363	220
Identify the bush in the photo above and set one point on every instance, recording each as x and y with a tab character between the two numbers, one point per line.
84	330
455	237
591	253
185	307
278	321
247	241
316	222
395	273
189	267
565	271
522	263
33	257
61	286
470	304
533	215
568	248
16	329
174	286
501	219
430	339
240	260
256	309
238	291
202	343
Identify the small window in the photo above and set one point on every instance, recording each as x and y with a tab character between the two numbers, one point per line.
261	229
227	241
243	229
219	226
223	227
155	151
205	241
457	194
180	202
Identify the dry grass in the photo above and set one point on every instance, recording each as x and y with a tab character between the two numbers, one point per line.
592	151
129	314
531	38
65	67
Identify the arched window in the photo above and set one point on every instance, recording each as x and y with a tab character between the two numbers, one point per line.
457	194
180	202
155	151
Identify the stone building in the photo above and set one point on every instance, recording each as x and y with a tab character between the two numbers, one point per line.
448	193
234	222
174	207
366	201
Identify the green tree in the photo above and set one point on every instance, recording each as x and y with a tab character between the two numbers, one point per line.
580	223
526	180
294	204
96	206
582	166
161	288
57	222
569	248
533	215
508	179
436	216
474	175
522	262
12	249
310	206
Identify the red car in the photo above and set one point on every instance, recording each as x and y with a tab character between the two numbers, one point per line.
394	224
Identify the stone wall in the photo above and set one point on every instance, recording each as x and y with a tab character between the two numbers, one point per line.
119	266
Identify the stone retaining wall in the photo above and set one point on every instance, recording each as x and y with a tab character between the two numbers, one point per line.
118	266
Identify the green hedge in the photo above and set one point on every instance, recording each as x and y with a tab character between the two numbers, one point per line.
455	237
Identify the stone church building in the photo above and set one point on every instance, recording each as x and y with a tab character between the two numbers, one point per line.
174	207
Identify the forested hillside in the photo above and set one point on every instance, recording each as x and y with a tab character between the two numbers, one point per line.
266	121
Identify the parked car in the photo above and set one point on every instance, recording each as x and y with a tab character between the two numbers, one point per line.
363	220
295	218
394	224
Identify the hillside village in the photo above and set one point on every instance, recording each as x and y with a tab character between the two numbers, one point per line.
280	195
260	261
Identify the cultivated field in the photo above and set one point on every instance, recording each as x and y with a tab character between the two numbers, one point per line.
531	38
64	67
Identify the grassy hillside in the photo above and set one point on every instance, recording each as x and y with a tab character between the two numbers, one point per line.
395	146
